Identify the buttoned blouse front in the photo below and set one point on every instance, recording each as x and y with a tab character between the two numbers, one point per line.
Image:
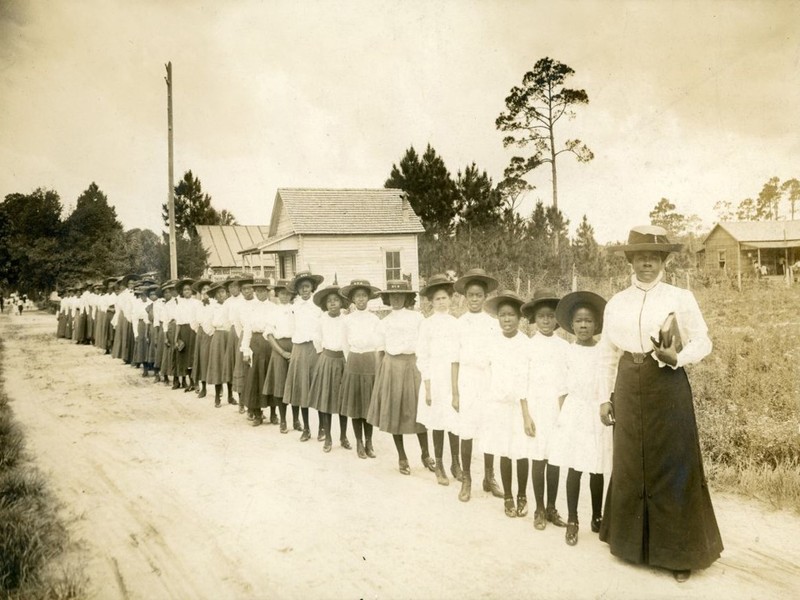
184	311
509	360
332	333
635	314
282	325
256	320
306	321
437	342
361	331
475	334
397	333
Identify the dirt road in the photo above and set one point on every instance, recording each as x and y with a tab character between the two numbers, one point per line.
172	498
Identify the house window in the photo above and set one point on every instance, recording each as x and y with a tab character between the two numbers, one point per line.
721	258
287	265
392	265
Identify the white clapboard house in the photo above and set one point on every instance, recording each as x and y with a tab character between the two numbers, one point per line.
342	233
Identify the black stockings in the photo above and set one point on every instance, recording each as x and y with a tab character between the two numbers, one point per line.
522	476
466	456
596	482
538	471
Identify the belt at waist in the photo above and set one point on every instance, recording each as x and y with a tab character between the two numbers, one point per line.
220	329
636	357
333	353
407	355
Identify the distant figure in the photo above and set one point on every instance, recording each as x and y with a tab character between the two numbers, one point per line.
20	304
2	303
764	271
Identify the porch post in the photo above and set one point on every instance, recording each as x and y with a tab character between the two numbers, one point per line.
739	264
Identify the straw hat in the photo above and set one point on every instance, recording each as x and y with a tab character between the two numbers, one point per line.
360	284
475	275
395	287
261	282
305	275
321	297
504	296
437	282
198	285
542	296
644	238
568	304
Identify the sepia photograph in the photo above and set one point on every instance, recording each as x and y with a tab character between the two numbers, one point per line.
381	300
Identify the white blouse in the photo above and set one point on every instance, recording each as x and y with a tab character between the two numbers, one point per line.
437	342
282	325
306	322
184	311
360	328
256	319
332	333
398	331
509	359
635	314
475	332
548	368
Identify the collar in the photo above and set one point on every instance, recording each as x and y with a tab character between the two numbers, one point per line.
646	287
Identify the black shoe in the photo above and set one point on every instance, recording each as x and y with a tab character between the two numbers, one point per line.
441	476
571	535
327	446
296	426
242	409
360	450
553	517
404	468
257	421
490	485
321	435
466	488
176	385
306	435
202	394
682	575
157	378
284	427
522	506
429	464
273	420
511	510
539	520
345	443
250	416
217	403
231	401
596	521
455	469
369	449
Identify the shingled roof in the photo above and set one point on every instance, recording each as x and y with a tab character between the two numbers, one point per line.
348	211
224	242
761	234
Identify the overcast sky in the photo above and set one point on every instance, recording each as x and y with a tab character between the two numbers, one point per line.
694	101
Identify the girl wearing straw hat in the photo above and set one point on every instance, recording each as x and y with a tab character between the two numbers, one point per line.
202	340
437	352
393	406
217	327
279	336
360	328
257	351
185	337
476	330
305	346
658	508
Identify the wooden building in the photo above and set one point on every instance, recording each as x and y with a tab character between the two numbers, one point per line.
740	247
224	244
342	233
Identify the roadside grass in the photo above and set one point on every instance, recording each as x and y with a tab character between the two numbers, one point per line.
747	393
32	534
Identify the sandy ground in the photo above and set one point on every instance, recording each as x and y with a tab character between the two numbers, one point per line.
171	498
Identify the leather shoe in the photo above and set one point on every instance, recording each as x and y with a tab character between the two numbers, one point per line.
511	510
404	468
306	435
360	450
369	449
466	488
273	420
441	476
571	535
553	517
202	394
682	575
217	403
231	401
596	521
539	520
490	485
284	427
321	435
429	463
345	443
327	446
455	470
522	506
296	426
257	421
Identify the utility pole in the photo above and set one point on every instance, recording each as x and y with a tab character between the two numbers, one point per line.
173	253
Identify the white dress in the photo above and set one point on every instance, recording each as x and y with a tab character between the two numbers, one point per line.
580	440
437	350
475	334
547	381
508	382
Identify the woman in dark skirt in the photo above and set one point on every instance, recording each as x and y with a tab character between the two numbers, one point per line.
658	509
202	339
257	351
168	331
393	406
305	346
217	326
139	321
326	381
184	335
359	371
279	336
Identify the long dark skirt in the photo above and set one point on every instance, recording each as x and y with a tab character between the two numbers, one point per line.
257	374
327	381
298	378
357	384
217	355
99	335
79	335
202	352
231	350
275	382
393	406
183	358
152	343
120	336
128	351
109	329
141	343
67	325
158	338
658	509
89	327
168	358
61	327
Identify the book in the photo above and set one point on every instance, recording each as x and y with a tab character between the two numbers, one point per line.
669	331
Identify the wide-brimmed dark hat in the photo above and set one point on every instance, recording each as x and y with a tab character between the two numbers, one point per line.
198	285
644	238
475	275
436	282
216	286
154	288
283	284
245	279
314	279
541	297
126	278
108	280
503	296
169	283
360	284
261	282
181	283
321	297
567	305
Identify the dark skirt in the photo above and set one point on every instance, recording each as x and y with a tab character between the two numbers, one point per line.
99	335
393	406
152	343
202	346
276	371
67	326
658	509
120	336
298	378
61	327
183	358
128	351
231	350
141	343
254	397
109	334
168	357
327	381
357	383
217	354
157	344
89	327
79	335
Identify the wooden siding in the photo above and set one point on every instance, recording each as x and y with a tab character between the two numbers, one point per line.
718	240
358	256
283	226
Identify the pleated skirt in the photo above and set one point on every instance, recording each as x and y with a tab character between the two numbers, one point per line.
152	343
231	350
140	343
357	383
120	337
157	345
217	354
276	371
183	358
326	381
168	355
254	397
393	405
61	327
202	352
89	327
297	390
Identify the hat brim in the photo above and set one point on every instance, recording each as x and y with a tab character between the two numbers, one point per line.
462	284
322	296
567	305
492	304
647	247
429	290
314	279
348	290
529	308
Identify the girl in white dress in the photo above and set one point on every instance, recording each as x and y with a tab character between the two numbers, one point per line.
507	414
546	390
476	329
437	353
580	441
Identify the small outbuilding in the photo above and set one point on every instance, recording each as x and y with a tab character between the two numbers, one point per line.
224	244
765	248
343	233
